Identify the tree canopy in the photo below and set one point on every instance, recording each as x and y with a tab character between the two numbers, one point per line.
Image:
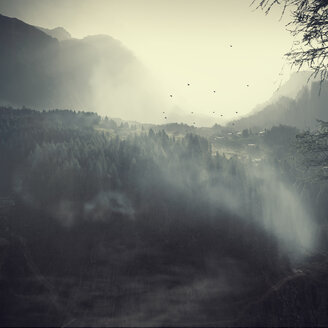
309	26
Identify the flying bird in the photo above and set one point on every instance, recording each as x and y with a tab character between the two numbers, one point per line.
247	85
188	84
214	91
171	96
221	115
236	112
192	112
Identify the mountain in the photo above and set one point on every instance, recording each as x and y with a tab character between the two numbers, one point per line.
96	73
292	87
24	62
299	103
58	33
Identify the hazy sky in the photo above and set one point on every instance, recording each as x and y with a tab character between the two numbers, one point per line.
182	41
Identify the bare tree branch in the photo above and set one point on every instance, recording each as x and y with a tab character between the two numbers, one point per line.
309	23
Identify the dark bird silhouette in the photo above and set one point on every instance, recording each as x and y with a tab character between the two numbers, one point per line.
163	112
188	84
194	123
247	85
236	112
214	91
230	45
171	96
165	117
221	115
213	112
192	112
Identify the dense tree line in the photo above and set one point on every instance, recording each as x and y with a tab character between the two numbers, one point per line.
145	208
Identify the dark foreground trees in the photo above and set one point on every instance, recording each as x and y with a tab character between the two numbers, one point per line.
143	229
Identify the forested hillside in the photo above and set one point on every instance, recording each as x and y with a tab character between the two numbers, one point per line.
105	225
309	105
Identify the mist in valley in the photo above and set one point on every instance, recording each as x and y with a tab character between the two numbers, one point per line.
126	202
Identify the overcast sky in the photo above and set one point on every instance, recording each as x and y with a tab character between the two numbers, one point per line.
182	41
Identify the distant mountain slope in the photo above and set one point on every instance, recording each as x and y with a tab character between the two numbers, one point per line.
300	111
58	33
21	35
291	88
95	73
24	62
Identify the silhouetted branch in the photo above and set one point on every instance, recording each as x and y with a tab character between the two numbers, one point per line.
309	23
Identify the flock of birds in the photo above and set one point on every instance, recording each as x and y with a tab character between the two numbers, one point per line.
194	123
214	91
247	85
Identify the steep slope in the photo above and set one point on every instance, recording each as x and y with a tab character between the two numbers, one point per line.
58	33
301	112
23	61
95	73
293	86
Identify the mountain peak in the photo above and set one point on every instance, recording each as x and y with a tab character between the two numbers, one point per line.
58	33
18	32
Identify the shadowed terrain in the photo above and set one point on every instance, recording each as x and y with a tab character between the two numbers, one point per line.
109	225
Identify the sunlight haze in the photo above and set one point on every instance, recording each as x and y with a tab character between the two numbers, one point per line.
222	46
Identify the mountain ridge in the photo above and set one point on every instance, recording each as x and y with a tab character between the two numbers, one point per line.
296	105
94	73
58	33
